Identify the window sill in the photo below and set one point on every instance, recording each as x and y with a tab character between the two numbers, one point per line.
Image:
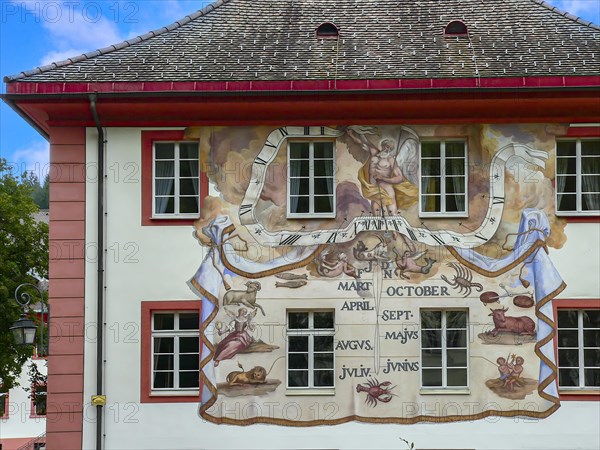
171	397
310	216
315	392
442	215
579	395
445	391
174	393
169	221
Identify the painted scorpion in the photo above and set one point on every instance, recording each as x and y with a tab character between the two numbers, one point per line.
463	280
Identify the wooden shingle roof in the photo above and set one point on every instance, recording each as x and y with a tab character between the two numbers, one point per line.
233	40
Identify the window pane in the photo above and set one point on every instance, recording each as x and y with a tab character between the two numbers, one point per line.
457	377
298	343
164	187
592	377
431	167
589	148
430	149
299	186
163	362
456	319
323	343
590	183
323	150
455	185
297	378
164	345
40	400
456	358
431	203
163	380
299	168
567	148
591	318
567	319
590	165
455	149
323	378
590	202
164	169
298	361
189	345
566	166
455	166
431	319
323	204
568	377
431	338
165	205
431	185
188	150
455	203
299	150
567	202
323	186
299	205
591	338
164	321
188	186
566	183
432	377
456	338
591	358
323	319
431	358
189	379
189	321
188	205
323	361
567	338
164	150
323	168
568	358
189	168
297	320
189	362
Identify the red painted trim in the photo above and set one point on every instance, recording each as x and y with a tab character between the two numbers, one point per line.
300	85
583	219
557	304
148	137
583	132
148	307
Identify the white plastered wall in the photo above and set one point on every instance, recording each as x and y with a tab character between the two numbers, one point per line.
167	256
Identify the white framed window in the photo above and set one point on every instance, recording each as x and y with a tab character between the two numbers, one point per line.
443	175
444	349
578	177
311	179
176	179
578	349
310	349
175	351
3	404
39	396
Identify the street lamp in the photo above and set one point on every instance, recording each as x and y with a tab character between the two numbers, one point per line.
24	329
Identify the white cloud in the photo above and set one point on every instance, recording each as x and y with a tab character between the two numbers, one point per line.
55	56
33	158
586	9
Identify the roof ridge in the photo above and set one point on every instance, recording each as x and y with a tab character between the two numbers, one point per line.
127	43
566	14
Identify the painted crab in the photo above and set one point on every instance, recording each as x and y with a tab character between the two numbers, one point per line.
376	391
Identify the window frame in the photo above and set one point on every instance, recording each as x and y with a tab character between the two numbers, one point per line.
578	177
311	177
442	178
148	138
34	392
4	401
311	332
445	388
573	393
147	393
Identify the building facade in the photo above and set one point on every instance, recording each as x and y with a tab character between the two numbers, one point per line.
282	215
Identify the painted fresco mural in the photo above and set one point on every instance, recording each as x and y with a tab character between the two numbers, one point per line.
412	319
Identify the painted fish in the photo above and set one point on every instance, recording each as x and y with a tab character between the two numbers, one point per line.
291	276
291	284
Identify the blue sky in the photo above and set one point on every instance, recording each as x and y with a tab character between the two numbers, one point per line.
37	32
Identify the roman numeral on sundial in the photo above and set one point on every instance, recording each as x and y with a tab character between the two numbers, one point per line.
290	240
244	209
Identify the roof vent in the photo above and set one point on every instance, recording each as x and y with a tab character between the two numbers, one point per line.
456	28
328	30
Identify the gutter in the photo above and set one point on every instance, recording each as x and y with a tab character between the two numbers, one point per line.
99	400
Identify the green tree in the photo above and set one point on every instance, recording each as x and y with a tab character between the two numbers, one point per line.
23	254
39	192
